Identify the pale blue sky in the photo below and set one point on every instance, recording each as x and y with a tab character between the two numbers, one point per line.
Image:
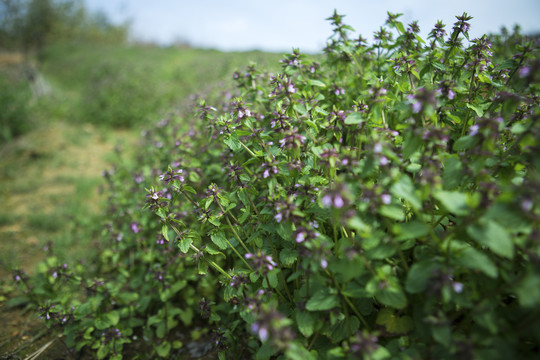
280	25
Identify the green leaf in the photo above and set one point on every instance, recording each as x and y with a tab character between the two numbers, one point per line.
184	244
419	275
266	351
322	300
404	188
114	317
392	296
528	291
344	329
305	322
492	235
202	267
476	109
411	230
102	323
102	352
165	231
220	240
453	201
233	143
393	212
288	256
473	259
452	174
465	143
394	323
412	144
354	118
318	83
163	349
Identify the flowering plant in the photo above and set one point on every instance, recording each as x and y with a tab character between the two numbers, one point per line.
380	202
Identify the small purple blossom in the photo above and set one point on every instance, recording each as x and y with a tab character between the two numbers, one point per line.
458	287
135	227
172	175
324	263
473	130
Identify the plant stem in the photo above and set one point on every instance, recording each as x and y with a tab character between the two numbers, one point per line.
194	248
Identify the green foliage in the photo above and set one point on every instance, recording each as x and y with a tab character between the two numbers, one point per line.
30	25
382	203
118	96
15	97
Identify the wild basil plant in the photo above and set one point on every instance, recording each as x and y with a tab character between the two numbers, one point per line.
379	201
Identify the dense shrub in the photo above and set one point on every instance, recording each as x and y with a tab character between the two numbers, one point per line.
382	203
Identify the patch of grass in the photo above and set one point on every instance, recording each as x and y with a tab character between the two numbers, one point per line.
46	222
6	219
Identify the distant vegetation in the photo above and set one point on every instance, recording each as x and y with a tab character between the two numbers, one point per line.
30	25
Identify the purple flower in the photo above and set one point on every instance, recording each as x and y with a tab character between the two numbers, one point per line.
473	130
135	227
324	263
458	287
172	175
524	71
386	199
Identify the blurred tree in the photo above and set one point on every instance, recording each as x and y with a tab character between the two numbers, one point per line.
11	15
29	25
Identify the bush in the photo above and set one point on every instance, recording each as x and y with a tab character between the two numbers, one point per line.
380	204
15	98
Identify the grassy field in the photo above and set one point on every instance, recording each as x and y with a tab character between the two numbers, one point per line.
51	176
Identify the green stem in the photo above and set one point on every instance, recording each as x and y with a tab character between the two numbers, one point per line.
194	248
248	150
236	235
348	301
238	254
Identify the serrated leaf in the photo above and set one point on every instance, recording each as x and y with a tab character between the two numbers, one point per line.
473	259
344	329
453	201
165	231
322	300
492	235
220	240
411	230
392	296
354	118
184	244
212	251
288	256
404	188
202	266
452	174
419	275
232	142
305	322
476	109
394	323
